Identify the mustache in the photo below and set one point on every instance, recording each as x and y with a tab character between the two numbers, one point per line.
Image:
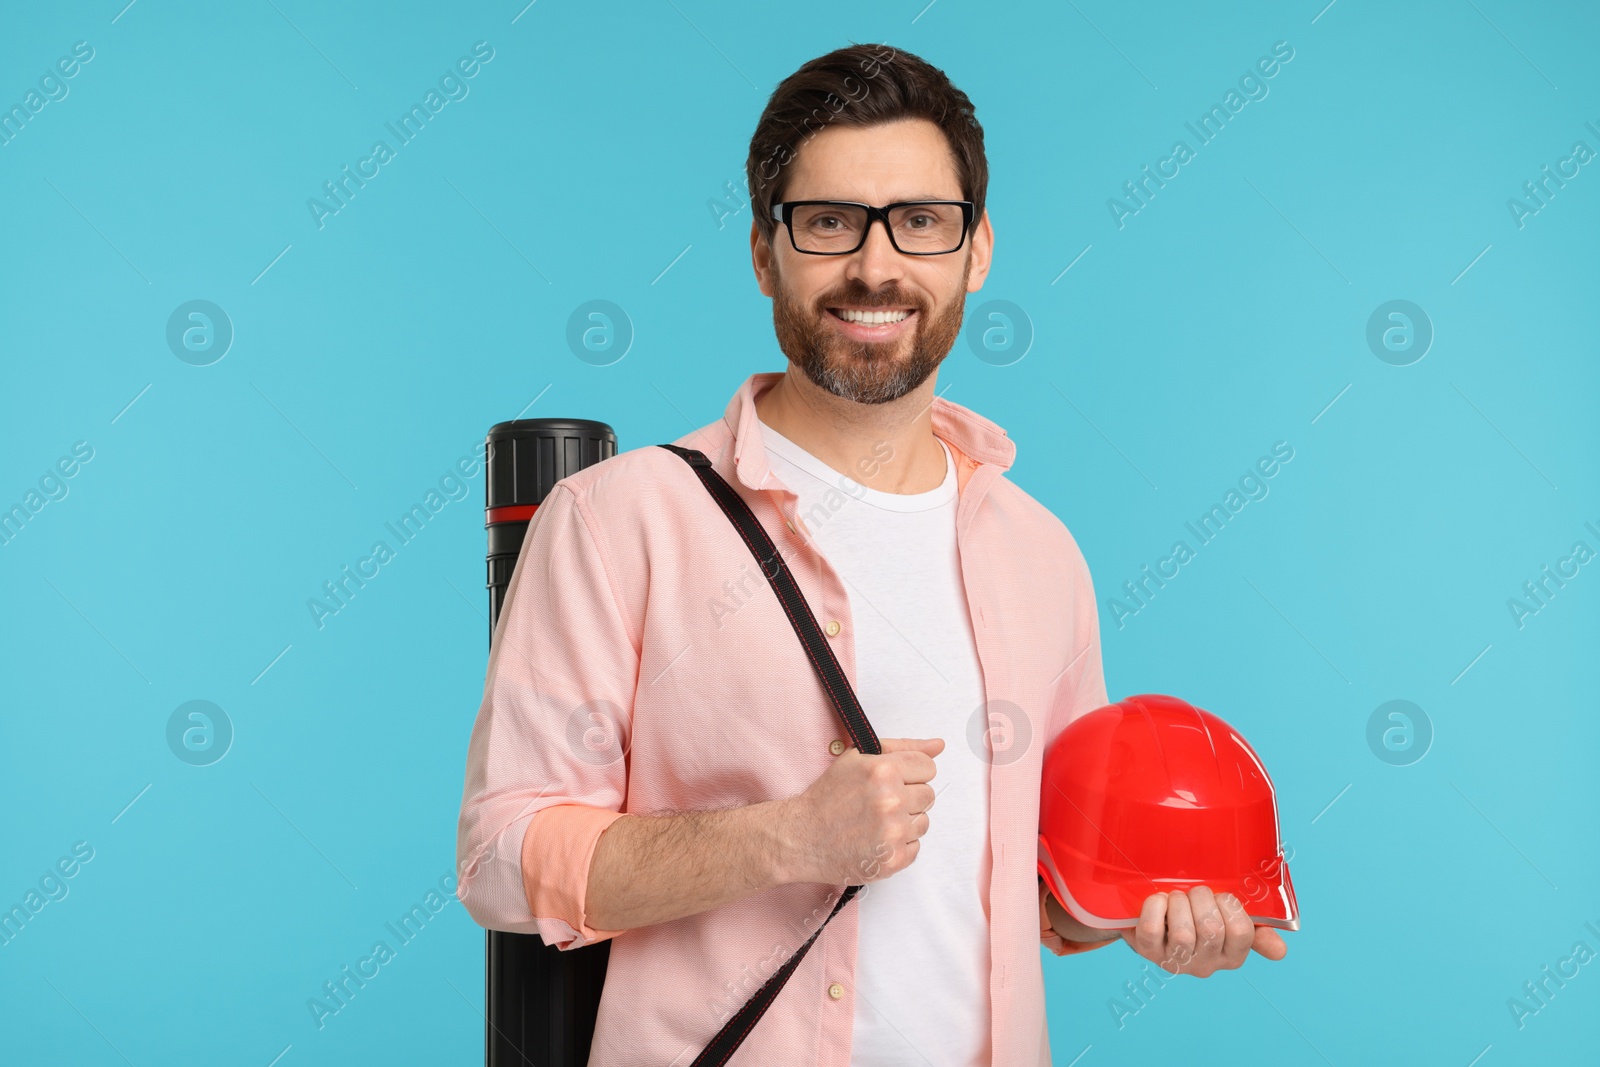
862	299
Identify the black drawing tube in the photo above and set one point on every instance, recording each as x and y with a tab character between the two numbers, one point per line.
539	1003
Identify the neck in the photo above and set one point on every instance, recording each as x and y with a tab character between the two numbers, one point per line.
889	447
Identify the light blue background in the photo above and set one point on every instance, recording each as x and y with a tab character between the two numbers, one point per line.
1228	314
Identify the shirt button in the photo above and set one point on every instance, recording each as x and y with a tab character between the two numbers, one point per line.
836	991
836	746
789	523
832	627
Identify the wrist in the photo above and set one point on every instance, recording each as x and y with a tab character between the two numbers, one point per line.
778	840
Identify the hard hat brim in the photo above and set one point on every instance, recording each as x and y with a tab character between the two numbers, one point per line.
1270	900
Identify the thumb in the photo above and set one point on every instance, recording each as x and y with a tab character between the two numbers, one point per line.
1270	943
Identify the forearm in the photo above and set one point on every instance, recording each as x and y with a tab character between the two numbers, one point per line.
649	869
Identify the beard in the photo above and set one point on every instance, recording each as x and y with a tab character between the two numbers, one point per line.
866	372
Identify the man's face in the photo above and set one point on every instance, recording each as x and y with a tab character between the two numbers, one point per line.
813	295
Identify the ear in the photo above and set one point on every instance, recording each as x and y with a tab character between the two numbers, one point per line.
761	259
982	238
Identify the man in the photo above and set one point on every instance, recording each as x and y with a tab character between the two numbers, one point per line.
655	760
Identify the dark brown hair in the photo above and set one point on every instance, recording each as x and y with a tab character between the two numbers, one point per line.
862	85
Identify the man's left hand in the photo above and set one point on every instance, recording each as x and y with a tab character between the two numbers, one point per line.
1199	932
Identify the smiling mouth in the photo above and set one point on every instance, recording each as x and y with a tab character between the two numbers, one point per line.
872	316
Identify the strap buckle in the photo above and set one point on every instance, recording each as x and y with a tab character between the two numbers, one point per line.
694	457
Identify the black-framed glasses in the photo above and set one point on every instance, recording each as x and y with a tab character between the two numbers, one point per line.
839	227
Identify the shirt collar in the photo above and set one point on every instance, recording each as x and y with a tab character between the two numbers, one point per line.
974	440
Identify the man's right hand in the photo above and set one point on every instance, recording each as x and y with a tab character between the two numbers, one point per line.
863	818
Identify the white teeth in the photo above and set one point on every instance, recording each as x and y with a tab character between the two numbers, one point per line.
872	318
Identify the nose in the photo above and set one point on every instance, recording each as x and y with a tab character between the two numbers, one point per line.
876	261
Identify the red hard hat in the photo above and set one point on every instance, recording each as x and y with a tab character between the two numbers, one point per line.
1152	794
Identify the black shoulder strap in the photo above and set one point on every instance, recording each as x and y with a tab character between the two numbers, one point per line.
844	700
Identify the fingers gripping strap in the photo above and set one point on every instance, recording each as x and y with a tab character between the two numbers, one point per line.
826	664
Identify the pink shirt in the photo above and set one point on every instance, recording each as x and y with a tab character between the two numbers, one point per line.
641	663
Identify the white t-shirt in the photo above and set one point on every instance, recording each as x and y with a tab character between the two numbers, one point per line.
922	978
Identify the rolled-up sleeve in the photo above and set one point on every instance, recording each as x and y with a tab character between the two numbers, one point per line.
547	760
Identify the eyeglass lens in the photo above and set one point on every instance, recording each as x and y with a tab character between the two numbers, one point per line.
917	227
